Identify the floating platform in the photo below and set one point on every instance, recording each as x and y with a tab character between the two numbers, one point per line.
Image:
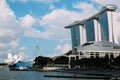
85	77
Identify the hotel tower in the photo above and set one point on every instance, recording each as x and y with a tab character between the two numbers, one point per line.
99	27
95	36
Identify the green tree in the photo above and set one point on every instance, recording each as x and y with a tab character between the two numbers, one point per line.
41	61
61	60
117	61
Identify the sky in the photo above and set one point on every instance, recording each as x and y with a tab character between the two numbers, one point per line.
36	27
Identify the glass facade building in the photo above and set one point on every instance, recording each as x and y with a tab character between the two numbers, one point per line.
90	32
96	36
99	27
75	34
103	20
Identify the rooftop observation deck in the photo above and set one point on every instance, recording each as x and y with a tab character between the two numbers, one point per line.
109	7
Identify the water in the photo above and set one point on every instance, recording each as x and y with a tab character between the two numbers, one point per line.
33	75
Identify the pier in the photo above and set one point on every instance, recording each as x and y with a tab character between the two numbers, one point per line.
81	77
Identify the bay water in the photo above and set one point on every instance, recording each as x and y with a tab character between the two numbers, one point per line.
5	74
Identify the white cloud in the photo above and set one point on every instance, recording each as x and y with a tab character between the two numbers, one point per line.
47	1
51	7
42	1
56	21
61	49
9	26
87	9
10	30
5	11
37	33
104	2
22	48
27	21
59	18
19	1
14	43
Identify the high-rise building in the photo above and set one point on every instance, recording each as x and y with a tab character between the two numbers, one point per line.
107	24
90	30
77	33
99	27
95	36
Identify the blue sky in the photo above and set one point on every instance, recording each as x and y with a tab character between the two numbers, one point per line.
29	23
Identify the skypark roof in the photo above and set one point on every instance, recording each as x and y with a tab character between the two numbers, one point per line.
109	7
76	23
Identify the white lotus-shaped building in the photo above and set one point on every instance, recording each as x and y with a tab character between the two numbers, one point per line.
12	59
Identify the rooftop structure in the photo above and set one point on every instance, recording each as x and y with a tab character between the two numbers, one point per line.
98	49
109	7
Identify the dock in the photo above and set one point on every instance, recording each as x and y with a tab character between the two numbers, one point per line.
82	77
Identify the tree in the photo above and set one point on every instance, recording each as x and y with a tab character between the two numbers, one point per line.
106	61
72	63
61	60
117	61
41	61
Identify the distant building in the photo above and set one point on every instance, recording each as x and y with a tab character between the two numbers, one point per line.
24	64
11	60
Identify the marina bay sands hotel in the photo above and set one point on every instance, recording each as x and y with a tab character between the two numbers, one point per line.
95	36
